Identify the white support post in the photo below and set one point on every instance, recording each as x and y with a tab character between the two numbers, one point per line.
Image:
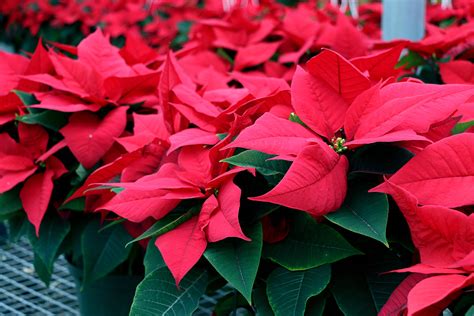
446	4
354	7
403	19
343	7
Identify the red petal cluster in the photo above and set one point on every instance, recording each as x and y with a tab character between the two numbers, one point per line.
153	128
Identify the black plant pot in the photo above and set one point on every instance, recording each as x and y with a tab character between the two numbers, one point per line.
3	233
108	296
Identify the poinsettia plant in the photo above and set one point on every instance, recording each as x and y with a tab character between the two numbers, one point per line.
265	163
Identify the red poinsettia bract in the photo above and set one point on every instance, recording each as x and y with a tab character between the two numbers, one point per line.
342	110
426	189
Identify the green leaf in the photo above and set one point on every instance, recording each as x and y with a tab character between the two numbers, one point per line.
221	136
352	302
52	233
10	203
50	119
153	259
103	251
158	294
183	31
379	159
429	72
289	291
43	272
309	245
410	60
252	212
222	53
238	260
112	224
261	304
259	161
290	3
470	312
18	226
295	118
316	306
231	304
173	220
25	97
363	212
117	190
464	305
81	175
374	267
448	22
381	287
77	205
462	127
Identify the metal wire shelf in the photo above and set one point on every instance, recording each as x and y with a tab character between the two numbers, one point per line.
22	293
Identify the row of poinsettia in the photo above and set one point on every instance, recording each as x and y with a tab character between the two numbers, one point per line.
162	22
165	132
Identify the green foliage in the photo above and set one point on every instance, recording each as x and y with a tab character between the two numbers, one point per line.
183	30
273	170
49	119
77	205
18	226
352	302
166	224
295	118
288	291
410	60
153	259
308	245
158	294
261	304
10	203
103	251
52	233
379	159
363	212
290	3
225	55
238	260
232	304
424	68
315	306
462	127
25	97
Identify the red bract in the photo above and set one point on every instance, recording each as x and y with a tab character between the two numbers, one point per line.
443	236
441	174
20	161
12	69
432	295
315	183
218	219
153	137
89	138
334	94
197	175
458	71
99	77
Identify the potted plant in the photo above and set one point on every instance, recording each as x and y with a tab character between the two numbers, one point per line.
259	170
